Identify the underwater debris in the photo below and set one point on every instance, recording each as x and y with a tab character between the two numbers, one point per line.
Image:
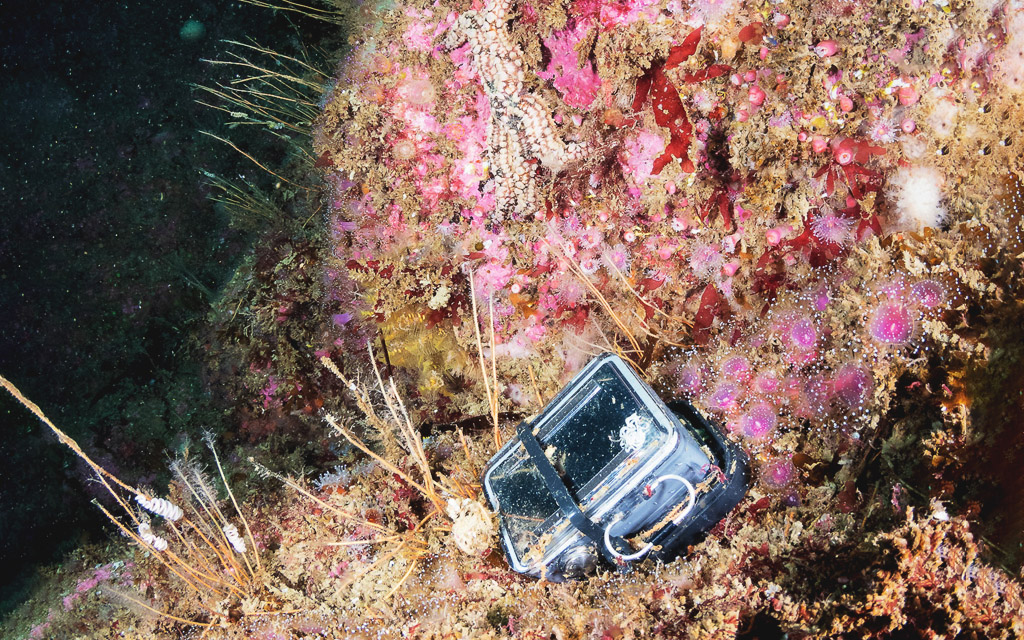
608	454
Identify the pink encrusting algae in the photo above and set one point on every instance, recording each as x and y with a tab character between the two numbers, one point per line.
578	83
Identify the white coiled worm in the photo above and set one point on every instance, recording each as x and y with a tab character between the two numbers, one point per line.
231	532
160	507
151	538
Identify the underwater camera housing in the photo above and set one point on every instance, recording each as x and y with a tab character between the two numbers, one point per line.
608	460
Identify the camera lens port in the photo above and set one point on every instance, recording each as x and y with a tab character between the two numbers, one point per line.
579	563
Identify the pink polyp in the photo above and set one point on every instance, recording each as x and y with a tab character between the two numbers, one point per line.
724	396
802	334
756	95
779	472
844	155
776	235
908	96
928	293
690	379
852	384
826	48
736	368
758	421
766	382
891	323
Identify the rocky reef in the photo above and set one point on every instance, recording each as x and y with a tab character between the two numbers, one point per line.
804	217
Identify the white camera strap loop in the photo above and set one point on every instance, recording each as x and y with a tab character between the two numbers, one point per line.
691	501
618	556
692	498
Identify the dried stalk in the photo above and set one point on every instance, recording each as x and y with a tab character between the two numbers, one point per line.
405	576
578	272
264	471
533	381
209	569
494	373
414	445
254	160
492	400
359	444
327	15
234	503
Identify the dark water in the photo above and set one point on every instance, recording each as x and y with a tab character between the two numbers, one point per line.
110	251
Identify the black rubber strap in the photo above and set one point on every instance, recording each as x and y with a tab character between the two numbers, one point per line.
565	501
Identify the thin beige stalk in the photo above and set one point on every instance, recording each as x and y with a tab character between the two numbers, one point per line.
204	590
380	385
465	450
216	521
245	522
408	572
326	15
491	401
536	390
413	439
359	444
66	439
494	374
401	421
249	156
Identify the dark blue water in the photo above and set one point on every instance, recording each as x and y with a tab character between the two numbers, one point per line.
110	251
